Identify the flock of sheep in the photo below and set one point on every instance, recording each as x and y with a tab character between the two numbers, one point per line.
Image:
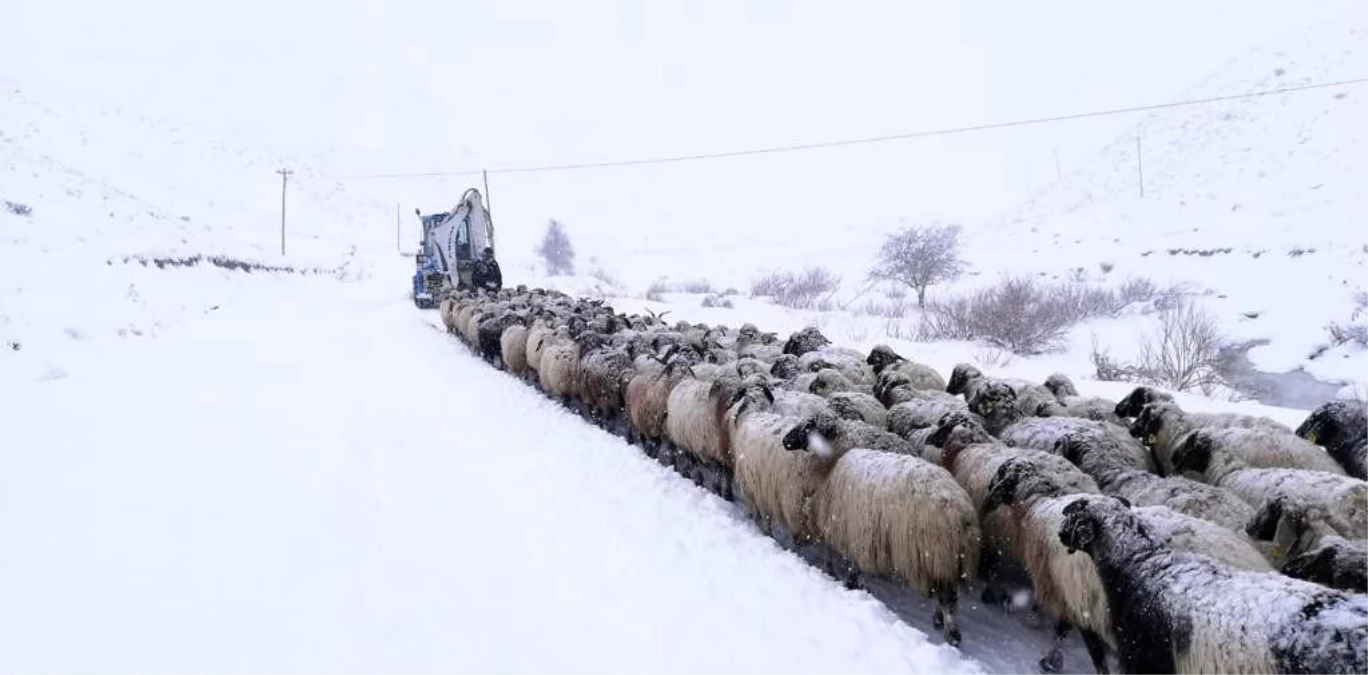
1180	541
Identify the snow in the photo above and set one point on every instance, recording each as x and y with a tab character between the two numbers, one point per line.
241	493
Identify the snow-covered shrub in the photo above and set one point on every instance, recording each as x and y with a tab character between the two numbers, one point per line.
556	251
1185	354
715	300
1019	314
18	209
1137	289
810	289
1356	330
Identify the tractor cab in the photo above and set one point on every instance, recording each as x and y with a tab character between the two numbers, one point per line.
457	251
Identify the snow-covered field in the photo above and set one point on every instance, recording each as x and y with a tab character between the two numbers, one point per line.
217	470
241	495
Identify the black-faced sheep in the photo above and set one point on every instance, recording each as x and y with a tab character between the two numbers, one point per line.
785	367
886	362
1268	450
1176	612
1117	475
855	405
900	517
648	394
778	485
823	382
845	434
909	416
1045	433
558	367
1340	427
1163	425
1028	398
1344	499
1306	547
804	341
604	372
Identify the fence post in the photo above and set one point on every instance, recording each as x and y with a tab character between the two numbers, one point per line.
284	178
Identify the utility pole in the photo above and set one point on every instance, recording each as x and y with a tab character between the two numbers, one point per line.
1059	174
398	237
489	206
284	178
1140	166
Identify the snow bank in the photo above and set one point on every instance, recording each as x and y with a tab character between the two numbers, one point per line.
334	486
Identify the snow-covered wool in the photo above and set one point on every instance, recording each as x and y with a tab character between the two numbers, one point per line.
447	310
696	411
900	517
1176	612
785	367
1061	386
1117	475
513	348
844	435
1344	499
973	457
823	382
909	416
855	405
1026	397
1306	547
885	361
603	375
648	394
1085	407
1262	449
1046	433
804	341
1340	427
1163	425
778	485
538	335
489	332
747	366
558	368
800	404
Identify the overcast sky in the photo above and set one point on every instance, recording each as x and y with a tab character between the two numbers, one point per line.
404	86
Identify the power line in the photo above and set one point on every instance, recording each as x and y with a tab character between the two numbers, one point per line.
872	139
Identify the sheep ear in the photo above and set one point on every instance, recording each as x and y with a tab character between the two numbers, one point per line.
1124	502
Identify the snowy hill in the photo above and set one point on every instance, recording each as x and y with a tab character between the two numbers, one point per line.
96	192
1261	202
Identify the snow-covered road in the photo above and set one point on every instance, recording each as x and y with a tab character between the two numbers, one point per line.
339	488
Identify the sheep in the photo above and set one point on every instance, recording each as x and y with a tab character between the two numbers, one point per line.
1340	427
1117	475
695	416
1084	407
909	416
1163	425
1066	586
538	336
900	517
1045	433
1264	450
1135	402
1028	398
648	395
1307	548
448	310
604	372
1176	612
1061	386
973	457
883	360
797	403
843	434
785	367
804	341
855	405
489	333
778	485
823	382
1343	498
513	348
747	366
558	367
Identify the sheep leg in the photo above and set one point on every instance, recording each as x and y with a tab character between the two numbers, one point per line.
1053	661
1097	650
947	596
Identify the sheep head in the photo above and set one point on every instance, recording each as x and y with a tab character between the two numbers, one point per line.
960	377
785	367
882	356
1194	453
1334	423
1150	421
1141	396
1060	385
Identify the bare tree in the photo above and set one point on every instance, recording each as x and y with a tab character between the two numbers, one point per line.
1185	354
556	250
920	257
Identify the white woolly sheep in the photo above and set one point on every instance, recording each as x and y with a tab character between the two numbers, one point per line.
1028	398
558	367
1176	612
1045	433
899	517
1117	475
844	434
855	405
1262	449
910	416
778	485
1343	498
648	395
513	348
887	363
1306	547
1163	425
